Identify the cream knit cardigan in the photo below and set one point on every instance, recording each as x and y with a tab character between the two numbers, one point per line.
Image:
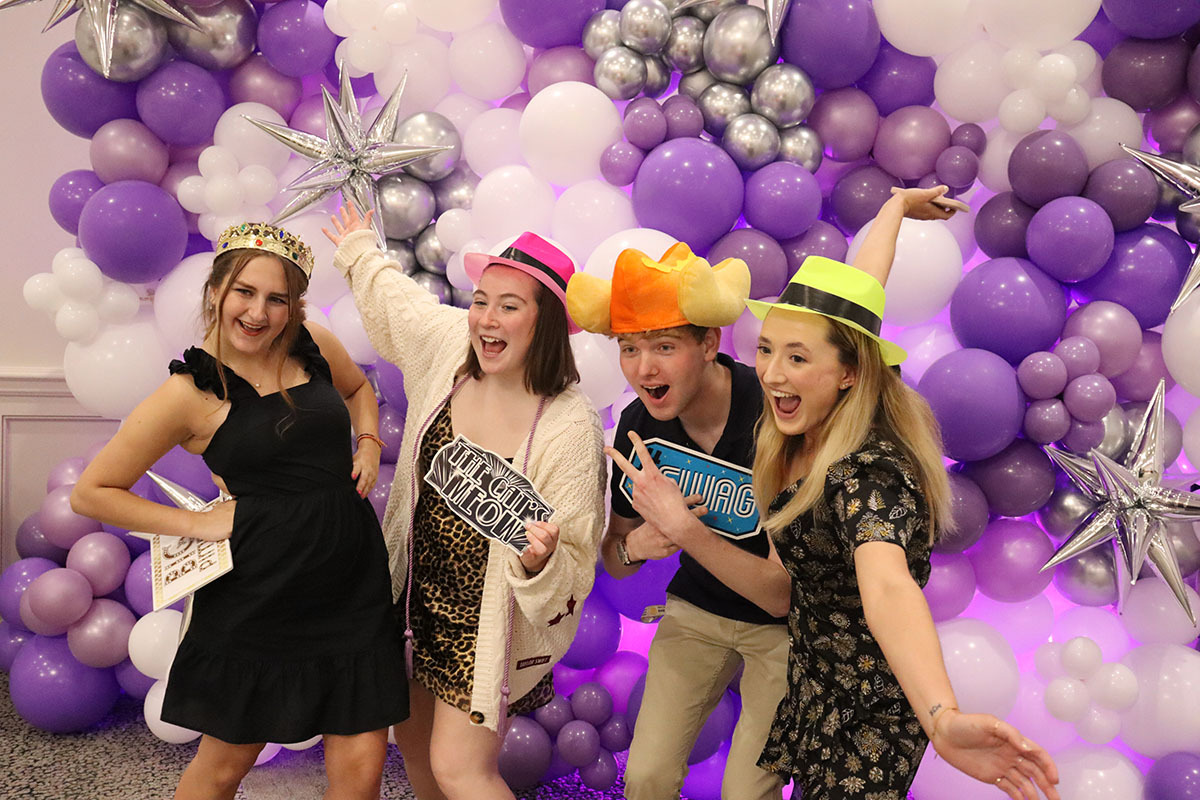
428	342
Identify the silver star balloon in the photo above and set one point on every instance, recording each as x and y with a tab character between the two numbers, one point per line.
103	15
348	159
776	11
1132	505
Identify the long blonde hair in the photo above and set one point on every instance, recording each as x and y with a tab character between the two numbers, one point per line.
878	399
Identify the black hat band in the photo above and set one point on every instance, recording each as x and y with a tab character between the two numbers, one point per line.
798	294
513	254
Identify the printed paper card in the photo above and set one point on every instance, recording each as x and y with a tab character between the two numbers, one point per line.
486	492
726	487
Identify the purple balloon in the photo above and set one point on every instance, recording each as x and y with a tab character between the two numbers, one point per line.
1089	397
1175	776
69	194
391	430
126	150
598	635
524	754
391	385
601	773
782	199
1045	165
383	487
957	167
15	580
619	674
616	734
60	597
517	102
309	116
762	254
683	116
294	39
32	542
976	400
52	691
970	136
139	590
59	523
910	140
79	98
566	63
578	742
951	585
592	703
1101	34
133	230
181	102
548	23
1155	20
1125	189
716	729
1070	238
646	587
1016	481
1009	558
1047	421
690	189
898	79
1043	375
1193	76
645	124
1001	225
970	510
101	558
1141	379
100	638
134	683
1170	125
1008	306
568	679
821	239
558	768
256	81
1079	355
620	162
834	41
635	700
1146	74
554	714
12	637
1083	436
859	194
846	120
186	469
1143	273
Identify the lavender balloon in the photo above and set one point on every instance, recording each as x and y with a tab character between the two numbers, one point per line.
12	638
762	254
1156	20
134	683
32	543
1047	421
1070	238
1083	437
976	400
645	125
1045	165
256	81
846	121
133	230
1140	380
683	117
548	23
782	200
821	239
124	150
690	189
957	167
601	773
1143	273
68	195
1146	74
15	580
598	635
834	41
1089	397
138	588
554	714
578	742
592	703
524	754
619	163
716	729
1008	306
1043	375
910	140
80	99
59	597
181	103
1016	481
898	79
1008	560
391	430
618	675
951	585
970	136
1114	330
52	691
101	558
1079	356
1001	226
616	734
969	506
558	64
859	194
60	524
383	484
65	473
1125	189
100	638
293	37
391	385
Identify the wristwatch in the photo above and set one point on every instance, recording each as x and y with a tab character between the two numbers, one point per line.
623	554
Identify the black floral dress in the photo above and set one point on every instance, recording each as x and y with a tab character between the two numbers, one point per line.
845	729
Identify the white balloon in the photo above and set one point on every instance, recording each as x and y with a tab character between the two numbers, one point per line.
937	780
1180	343
77	321
1100	625
1191	438
314	313
1067	699
1081	657
1030	716
41	292
926	27
367	50
1035	23
223	194
191	194
452	15
1099	725
1054	75
334	20
153	641
981	665
326	284
588	213
1021	111
925	271
1090	772
492	140
347	325
307	743
565	129
1072	108
993	164
359	14
1047	660
745	331
79	279
461	109
1082	55
426	61
65	255
152	708
118	369
1166	716
216	160
1024	625
487	61
456	273
1113	686
119	302
178	301
249	144
603	259
1020	66
925	344
510	200
259	185
269	751
1153	615
598	360
969	84
1110	124
398	23
454	228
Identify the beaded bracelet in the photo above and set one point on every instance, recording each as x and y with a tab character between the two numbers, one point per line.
370	436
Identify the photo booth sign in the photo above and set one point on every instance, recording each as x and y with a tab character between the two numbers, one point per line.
486	492
726	487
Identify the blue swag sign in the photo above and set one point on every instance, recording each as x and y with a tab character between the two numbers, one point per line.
726	487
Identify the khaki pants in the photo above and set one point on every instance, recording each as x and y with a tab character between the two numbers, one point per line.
692	659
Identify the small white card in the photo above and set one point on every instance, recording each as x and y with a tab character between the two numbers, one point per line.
181	565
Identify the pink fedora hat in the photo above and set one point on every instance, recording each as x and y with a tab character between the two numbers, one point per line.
534	256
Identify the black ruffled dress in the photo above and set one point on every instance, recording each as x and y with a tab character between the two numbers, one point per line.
298	639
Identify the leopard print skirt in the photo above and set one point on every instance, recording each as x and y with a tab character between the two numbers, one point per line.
449	563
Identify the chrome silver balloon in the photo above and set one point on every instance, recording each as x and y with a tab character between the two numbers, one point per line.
461	297
456	190
645	25
436	285
658	76
1186	545
801	145
431	254
620	73
720	103
402	253
783	94
431	128
1088	579
602	32
694	83
684	49
737	45
706	10
227	35
751	140
139	43
406	205
1116	434
1064	511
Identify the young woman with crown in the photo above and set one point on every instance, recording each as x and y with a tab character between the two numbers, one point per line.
298	639
849	467
484	625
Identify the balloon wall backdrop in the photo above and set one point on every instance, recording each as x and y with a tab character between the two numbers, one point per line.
1053	329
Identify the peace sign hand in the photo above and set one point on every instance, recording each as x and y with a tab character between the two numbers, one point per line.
655	496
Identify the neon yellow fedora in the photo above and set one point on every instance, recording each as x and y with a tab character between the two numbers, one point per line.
837	291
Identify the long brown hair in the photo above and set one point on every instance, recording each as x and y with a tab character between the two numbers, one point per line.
550	363
226	268
877	399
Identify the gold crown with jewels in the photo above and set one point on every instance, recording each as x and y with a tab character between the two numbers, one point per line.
268	238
